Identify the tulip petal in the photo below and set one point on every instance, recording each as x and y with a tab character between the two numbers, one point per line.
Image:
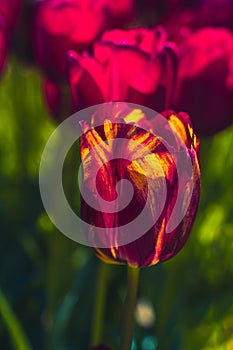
83	84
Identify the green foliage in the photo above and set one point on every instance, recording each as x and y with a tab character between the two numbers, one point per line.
49	282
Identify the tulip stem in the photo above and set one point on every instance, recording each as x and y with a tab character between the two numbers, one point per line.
130	301
98	313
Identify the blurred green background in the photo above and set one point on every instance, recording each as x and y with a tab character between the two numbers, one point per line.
48	283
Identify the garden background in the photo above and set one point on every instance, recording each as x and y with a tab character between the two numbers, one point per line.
48	282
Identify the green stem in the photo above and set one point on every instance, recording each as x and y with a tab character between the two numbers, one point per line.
98	313
17	335
130	301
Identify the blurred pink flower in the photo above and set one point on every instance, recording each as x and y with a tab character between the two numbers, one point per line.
181	21
136	65
62	25
204	86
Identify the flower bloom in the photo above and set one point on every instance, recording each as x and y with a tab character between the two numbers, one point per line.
142	170
135	65
62	25
204	86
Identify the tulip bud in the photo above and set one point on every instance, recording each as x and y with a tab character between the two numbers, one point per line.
163	170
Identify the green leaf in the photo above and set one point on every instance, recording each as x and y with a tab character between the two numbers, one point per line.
17	336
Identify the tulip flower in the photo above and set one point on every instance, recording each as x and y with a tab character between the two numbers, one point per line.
118	162
135	65
204	86
62	25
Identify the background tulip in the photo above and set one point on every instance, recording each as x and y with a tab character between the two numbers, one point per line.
206	90
181	21
136	65
155	245
62	25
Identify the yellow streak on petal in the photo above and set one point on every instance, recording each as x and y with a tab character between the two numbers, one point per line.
152	143
143	169
140	138
190	129
95	142
109	130
195	141
159	244
134	116
113	253
135	146
105	258
178	127
193	136
90	139
148	166
139	181
84	151
135	168
166	162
